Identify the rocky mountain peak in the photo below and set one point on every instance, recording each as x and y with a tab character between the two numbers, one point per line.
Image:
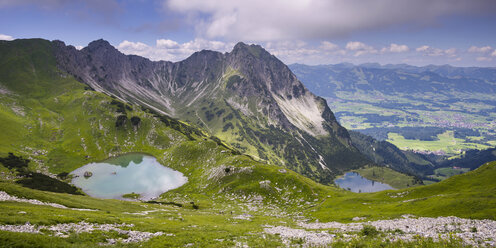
99	44
242	49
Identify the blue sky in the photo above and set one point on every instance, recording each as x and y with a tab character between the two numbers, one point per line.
418	32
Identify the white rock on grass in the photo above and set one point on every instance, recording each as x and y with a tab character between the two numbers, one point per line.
6	197
472	232
63	230
310	237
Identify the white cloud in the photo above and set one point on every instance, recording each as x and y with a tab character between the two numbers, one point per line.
355	45
494	53
6	37
326	52
475	49
170	50
436	52
395	48
163	43
484	59
261	20
134	46
326	45
360	48
79	47
422	48
450	52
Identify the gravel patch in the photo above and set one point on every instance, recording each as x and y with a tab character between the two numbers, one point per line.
471	232
243	217
64	230
311	238
6	197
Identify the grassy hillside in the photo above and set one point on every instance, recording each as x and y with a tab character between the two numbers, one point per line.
60	124
470	195
224	219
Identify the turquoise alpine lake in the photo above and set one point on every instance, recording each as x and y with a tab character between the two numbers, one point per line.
354	182
131	173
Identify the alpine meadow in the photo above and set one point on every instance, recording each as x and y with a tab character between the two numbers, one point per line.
222	123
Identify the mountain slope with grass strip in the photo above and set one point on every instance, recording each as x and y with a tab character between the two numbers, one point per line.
246	97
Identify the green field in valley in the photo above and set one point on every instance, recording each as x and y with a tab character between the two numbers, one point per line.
446	143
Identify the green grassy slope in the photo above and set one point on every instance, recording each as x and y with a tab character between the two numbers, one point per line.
470	195
59	124
216	222
272	145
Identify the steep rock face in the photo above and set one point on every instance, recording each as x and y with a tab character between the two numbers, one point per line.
246	97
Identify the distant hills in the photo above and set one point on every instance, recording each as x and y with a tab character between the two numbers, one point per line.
433	109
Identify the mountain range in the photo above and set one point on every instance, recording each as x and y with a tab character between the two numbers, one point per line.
246	97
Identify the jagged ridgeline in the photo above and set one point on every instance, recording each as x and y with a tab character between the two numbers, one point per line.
247	98
59	124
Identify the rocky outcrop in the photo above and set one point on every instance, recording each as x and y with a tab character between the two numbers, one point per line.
471	232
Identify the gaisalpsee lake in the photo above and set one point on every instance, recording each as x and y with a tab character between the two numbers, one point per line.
353	181
130	173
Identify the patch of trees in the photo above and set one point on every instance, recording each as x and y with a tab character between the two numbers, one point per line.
376	118
14	162
220	112
194	206
229	117
471	159
43	182
386	154
121	121
166	203
121	107
462	133
35	180
220	143
63	175
209	115
87	87
419	133
227	126
135	120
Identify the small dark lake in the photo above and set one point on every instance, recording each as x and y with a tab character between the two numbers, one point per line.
354	182
131	173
